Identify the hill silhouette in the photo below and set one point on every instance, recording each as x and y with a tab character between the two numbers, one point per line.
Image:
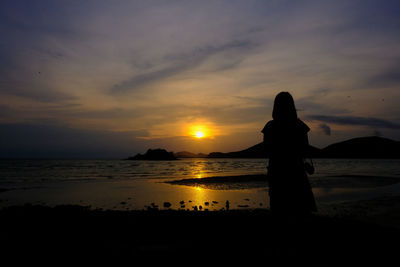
257	151
361	147
364	147
154	154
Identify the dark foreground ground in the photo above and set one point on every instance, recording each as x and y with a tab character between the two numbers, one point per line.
75	233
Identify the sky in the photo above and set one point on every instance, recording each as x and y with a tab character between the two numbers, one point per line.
109	79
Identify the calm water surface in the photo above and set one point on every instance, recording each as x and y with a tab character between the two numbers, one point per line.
122	184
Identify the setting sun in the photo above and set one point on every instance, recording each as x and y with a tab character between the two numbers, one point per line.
200	130
199	134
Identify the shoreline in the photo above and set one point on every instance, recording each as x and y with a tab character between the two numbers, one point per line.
360	231
76	232
260	180
243	191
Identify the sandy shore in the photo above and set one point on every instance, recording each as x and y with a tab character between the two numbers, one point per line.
77	232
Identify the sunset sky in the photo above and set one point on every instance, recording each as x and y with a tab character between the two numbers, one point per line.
114	78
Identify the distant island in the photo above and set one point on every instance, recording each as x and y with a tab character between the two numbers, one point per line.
154	154
361	147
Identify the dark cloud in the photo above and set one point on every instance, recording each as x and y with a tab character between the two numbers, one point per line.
37	94
325	128
313	103
353	120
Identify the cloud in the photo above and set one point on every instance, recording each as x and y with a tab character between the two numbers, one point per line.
38	94
141	65
314	103
325	128
179	63
353	120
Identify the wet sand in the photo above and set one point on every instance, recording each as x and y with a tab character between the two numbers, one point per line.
225	182
260	180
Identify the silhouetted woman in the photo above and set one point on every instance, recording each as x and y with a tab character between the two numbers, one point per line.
286	144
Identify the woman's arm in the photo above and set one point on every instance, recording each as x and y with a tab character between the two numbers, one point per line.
267	140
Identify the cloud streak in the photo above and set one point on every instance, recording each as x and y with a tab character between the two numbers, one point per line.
354	120
180	63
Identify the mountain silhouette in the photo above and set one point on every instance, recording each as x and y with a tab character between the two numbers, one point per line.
257	151
155	154
364	147
361	147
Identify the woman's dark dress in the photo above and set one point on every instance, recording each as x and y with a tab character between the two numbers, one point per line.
289	188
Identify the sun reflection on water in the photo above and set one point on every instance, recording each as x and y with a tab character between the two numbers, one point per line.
198	169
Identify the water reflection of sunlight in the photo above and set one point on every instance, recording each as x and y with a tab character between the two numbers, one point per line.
198	169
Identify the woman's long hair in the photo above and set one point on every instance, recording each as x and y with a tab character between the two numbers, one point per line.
284	108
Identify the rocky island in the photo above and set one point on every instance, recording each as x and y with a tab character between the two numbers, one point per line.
154	154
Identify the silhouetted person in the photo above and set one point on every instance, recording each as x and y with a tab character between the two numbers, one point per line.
286	143
291	197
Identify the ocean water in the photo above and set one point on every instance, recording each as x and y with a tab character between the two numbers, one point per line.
124	184
17	171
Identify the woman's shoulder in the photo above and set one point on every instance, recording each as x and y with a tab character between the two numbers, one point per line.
267	126
302	126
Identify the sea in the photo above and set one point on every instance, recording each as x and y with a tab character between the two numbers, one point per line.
137	185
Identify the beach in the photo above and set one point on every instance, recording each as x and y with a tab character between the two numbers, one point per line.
200	133
363	231
207	215
137	185
75	233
